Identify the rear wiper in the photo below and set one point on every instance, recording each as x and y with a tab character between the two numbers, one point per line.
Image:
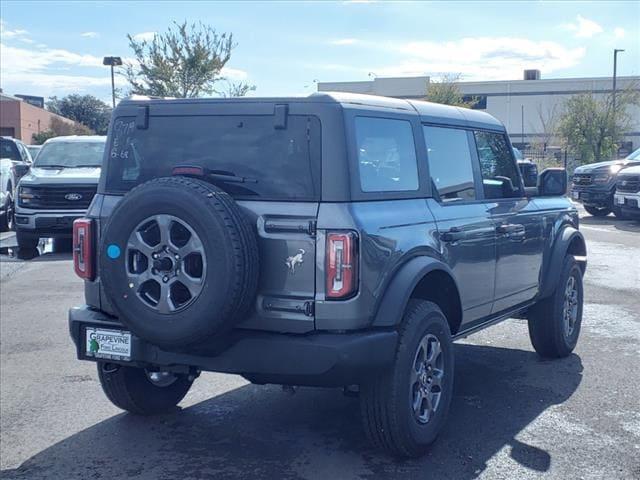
229	177
222	175
86	166
51	166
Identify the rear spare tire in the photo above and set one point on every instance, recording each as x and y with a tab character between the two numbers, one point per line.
178	261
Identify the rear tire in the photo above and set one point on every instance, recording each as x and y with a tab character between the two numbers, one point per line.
554	322
26	241
598	211
392	402
131	389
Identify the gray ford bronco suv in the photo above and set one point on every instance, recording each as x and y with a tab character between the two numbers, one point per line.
335	240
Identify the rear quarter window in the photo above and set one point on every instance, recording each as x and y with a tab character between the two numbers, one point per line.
282	163
386	155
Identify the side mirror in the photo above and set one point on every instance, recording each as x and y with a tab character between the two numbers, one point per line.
552	182
21	169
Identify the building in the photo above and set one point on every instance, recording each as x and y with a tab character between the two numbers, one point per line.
526	107
20	119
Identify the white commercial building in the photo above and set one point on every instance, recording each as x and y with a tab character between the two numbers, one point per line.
524	106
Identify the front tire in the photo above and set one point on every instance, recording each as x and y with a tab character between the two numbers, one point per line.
554	322
404	408
7	221
141	392
26	241
597	211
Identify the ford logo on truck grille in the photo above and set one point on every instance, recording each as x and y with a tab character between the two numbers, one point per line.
73	196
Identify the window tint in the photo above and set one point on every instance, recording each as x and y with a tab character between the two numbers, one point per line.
281	163
500	177
386	155
450	163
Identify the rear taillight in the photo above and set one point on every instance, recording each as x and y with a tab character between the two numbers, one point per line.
83	248
342	265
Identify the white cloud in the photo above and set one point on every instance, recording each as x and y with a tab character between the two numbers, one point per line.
90	34
583	27
6	33
344	41
45	71
22	60
234	74
475	58
144	36
619	32
484	57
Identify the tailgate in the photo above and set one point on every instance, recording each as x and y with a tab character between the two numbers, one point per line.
287	243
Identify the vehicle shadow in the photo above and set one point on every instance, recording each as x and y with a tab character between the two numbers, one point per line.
47	250
258	432
611	220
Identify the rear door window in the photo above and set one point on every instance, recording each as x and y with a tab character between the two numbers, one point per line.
276	163
500	175
386	155
450	163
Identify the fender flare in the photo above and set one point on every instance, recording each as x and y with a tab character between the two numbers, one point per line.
553	266
394	301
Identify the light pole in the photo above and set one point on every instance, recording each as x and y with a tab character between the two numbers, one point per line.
112	62
615	72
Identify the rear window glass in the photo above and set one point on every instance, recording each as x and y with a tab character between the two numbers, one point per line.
277	163
9	150
71	154
386	155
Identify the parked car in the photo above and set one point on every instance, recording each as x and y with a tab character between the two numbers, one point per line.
12	153
58	188
594	185
335	240
34	150
627	196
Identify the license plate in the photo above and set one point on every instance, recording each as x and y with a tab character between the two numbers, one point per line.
619	200
575	195
109	344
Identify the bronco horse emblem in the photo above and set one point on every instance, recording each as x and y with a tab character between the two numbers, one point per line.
295	260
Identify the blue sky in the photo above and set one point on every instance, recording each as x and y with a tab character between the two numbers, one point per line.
56	48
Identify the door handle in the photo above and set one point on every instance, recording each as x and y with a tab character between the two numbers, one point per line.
515	231
452	235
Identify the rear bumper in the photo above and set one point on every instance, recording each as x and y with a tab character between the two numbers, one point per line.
316	359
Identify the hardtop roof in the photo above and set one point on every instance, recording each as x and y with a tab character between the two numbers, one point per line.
428	112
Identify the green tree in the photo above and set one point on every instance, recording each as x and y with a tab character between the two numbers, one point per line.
185	62
85	109
589	127
447	92
58	128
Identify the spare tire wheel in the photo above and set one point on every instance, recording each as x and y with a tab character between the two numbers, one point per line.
178	261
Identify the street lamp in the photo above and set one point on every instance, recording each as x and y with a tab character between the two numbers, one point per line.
615	69
112	62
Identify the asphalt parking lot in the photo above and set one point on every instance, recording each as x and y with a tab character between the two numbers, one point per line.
513	415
